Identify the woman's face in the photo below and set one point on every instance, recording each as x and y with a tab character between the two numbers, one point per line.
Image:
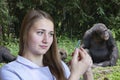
40	36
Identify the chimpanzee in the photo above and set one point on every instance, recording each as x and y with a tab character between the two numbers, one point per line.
5	55
101	46
63	54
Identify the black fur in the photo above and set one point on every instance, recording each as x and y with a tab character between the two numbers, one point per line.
103	52
5	55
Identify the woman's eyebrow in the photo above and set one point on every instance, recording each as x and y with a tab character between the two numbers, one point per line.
45	30
41	29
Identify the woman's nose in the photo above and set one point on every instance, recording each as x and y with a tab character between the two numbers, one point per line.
45	38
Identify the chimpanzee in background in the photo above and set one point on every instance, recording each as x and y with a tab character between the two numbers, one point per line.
101	46
5	55
62	53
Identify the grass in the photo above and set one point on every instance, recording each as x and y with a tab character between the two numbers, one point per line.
107	73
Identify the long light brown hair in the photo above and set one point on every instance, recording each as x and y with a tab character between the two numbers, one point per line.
51	58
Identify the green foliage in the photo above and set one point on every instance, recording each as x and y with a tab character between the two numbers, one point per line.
12	44
72	17
118	45
116	23
5	19
13	47
107	73
67	44
115	77
118	62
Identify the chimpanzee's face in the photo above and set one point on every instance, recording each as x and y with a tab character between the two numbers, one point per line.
100	32
105	35
62	53
103	32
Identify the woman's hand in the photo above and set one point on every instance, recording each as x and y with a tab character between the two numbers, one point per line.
81	62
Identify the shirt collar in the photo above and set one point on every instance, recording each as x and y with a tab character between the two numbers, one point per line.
28	63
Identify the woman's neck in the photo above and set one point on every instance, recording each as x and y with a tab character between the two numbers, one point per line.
37	59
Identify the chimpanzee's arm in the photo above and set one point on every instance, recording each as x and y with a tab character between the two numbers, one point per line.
112	61
86	39
114	51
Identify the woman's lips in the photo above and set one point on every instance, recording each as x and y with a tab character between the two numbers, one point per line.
43	46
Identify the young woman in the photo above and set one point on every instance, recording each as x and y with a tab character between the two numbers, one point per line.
38	57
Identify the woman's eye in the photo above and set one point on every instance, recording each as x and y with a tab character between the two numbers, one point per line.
40	33
51	34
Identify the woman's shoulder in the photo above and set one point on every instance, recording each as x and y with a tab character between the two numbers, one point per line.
64	64
8	69
66	69
10	66
11	70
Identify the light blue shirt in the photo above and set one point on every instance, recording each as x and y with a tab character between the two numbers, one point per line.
24	69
